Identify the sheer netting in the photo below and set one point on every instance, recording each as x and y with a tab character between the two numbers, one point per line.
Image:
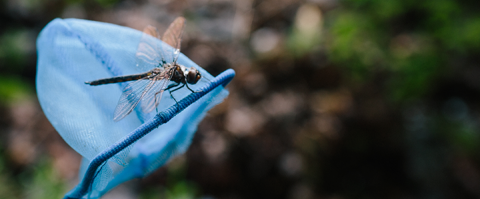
73	51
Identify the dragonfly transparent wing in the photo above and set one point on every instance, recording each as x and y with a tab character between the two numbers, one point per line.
152	31
173	37
131	96
154	95
148	53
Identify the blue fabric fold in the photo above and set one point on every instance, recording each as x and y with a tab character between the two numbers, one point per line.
73	51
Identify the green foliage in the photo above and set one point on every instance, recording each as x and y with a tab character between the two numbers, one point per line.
177	184
177	187
7	185
463	136
300	43
15	44
307	31
39	182
183	189
369	36
45	183
106	3
353	44
13	89
414	77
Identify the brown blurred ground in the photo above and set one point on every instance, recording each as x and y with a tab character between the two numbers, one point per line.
331	99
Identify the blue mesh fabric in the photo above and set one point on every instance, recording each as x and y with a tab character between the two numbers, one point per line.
73	51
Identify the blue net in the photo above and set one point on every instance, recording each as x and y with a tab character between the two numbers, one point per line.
73	51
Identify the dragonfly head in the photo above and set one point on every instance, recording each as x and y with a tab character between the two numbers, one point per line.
193	75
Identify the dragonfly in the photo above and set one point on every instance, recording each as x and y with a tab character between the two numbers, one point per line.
148	87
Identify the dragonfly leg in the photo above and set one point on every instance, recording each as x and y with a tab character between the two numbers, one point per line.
156	104
175	90
171	86
190	89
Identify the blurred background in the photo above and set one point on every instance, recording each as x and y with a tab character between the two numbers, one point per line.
332	99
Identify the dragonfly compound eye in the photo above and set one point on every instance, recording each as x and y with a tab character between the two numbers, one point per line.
193	76
198	76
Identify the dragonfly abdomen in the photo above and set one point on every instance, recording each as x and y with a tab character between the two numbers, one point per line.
118	79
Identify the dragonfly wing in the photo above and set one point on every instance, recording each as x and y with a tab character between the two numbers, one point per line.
152	31
131	96
154	95
173	37
148	52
